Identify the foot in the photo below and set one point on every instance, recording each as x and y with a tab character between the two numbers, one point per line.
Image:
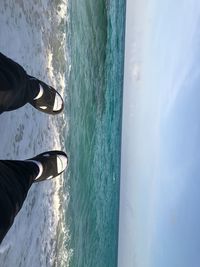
50	164
47	100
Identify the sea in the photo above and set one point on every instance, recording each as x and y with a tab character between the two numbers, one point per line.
94	110
78	47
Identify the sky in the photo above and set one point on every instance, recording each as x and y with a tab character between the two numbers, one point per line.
160	171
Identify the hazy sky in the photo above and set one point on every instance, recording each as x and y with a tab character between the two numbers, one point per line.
160	183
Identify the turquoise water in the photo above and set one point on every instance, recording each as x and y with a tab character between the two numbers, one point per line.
94	104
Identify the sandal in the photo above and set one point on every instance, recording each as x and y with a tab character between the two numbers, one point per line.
50	163
48	99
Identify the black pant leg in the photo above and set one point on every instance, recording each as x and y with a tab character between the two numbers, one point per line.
16	177
16	90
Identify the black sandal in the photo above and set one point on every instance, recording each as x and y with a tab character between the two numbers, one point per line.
53	164
48	98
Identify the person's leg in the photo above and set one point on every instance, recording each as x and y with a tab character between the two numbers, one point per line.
16	177
15	91
17	88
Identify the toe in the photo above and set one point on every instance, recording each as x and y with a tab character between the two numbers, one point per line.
57	103
61	163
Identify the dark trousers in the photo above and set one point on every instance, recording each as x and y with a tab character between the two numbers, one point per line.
16	88
16	177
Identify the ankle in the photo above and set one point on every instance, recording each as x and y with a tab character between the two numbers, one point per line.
34	89
38	168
